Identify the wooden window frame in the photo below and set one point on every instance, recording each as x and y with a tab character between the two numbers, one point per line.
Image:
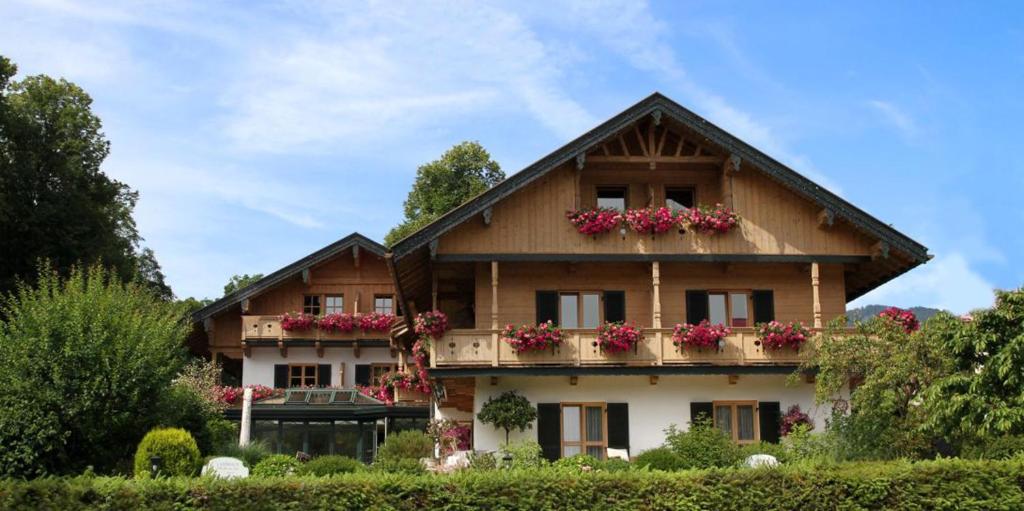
319	304
667	188
625	194
394	303
728	305
735	418
385	367
326	307
303	377
583	443
579	306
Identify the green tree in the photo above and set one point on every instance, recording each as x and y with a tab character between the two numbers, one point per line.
461	173
984	395
508	411
891	369
239	281
55	202
83	362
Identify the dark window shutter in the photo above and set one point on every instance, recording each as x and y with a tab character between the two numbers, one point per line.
618	425
362	374
764	305
770	415
280	376
696	306
614	306
549	430
323	375
707	409
547	306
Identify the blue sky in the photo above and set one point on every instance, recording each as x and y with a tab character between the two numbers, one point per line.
259	132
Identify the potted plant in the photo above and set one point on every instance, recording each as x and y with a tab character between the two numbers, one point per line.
431	323
532	337
508	411
707	220
701	335
653	221
296	322
776	335
619	337
375	321
340	322
594	221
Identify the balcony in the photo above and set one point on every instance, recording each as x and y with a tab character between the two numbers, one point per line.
268	328
476	348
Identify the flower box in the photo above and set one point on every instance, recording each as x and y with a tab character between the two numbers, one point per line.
530	338
594	221
776	335
619	337
654	220
295	322
707	220
701	335
431	323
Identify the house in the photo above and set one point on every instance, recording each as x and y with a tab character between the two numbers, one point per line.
794	253
510	256
317	409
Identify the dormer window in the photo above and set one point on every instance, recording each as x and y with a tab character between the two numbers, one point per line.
679	198
611	197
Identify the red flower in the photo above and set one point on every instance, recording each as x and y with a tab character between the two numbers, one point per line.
705	220
432	323
702	335
904	318
375	321
297	322
337	322
793	417
618	337
776	335
594	221
532	338
654	221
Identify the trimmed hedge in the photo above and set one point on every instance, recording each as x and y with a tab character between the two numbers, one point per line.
945	484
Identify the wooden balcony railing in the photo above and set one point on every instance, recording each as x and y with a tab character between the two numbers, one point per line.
466	348
269	328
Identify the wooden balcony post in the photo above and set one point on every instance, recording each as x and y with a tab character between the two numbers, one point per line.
433	289
815	281
494	313
656	313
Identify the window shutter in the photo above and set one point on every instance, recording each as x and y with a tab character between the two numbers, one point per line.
547	306
618	426
707	409
769	416
323	375
764	305
549	430
614	306
280	376
697	306
362	374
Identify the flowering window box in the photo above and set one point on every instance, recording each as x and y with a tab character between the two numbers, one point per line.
594	221
654	220
296	322
375	322
613	338
341	323
776	335
432	324
530	338
701	336
707	220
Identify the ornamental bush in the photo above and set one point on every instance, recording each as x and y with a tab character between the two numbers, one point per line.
702	446
330	465
402	451
276	465
660	458
578	462
178	452
508	411
526	454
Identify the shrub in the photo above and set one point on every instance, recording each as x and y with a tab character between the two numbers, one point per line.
998	448
408	444
276	465
581	462
181	407
525	454
250	454
702	446
616	465
660	458
802	445
400	466
223	433
508	411
331	465
482	460
179	455
776	450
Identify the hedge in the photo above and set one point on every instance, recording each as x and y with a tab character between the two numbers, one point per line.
945	484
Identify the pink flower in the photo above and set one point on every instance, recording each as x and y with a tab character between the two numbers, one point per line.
297	322
594	221
532	338
776	335
704	220
432	323
904	318
618	337
702	335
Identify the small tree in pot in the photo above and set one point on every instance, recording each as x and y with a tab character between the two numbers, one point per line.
508	411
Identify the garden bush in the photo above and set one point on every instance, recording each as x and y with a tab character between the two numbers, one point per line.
616	465
409	444
179	455
250	454
702	446
524	454
942	484
482	460
579	462
330	465
276	465
660	458
999	448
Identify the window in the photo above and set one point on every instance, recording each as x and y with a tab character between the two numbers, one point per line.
584	429
579	310
384	304
730	308
311	304
334	304
612	197
302	375
379	370
679	198
569	310
738	419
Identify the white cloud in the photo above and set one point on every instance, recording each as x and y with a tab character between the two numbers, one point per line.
946	282
895	116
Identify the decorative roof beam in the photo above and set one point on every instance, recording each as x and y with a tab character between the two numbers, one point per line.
487	214
880	250
826	218
305	276
355	255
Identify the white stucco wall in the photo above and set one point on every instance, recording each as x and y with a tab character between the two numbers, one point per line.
258	369
651	407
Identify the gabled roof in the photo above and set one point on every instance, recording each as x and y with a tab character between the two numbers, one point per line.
657	104
352	240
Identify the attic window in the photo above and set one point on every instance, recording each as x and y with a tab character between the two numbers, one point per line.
611	197
679	198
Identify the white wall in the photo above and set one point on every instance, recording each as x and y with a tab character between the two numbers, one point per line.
651	407
259	368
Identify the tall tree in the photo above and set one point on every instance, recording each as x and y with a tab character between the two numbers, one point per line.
55	202
239	281
461	173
